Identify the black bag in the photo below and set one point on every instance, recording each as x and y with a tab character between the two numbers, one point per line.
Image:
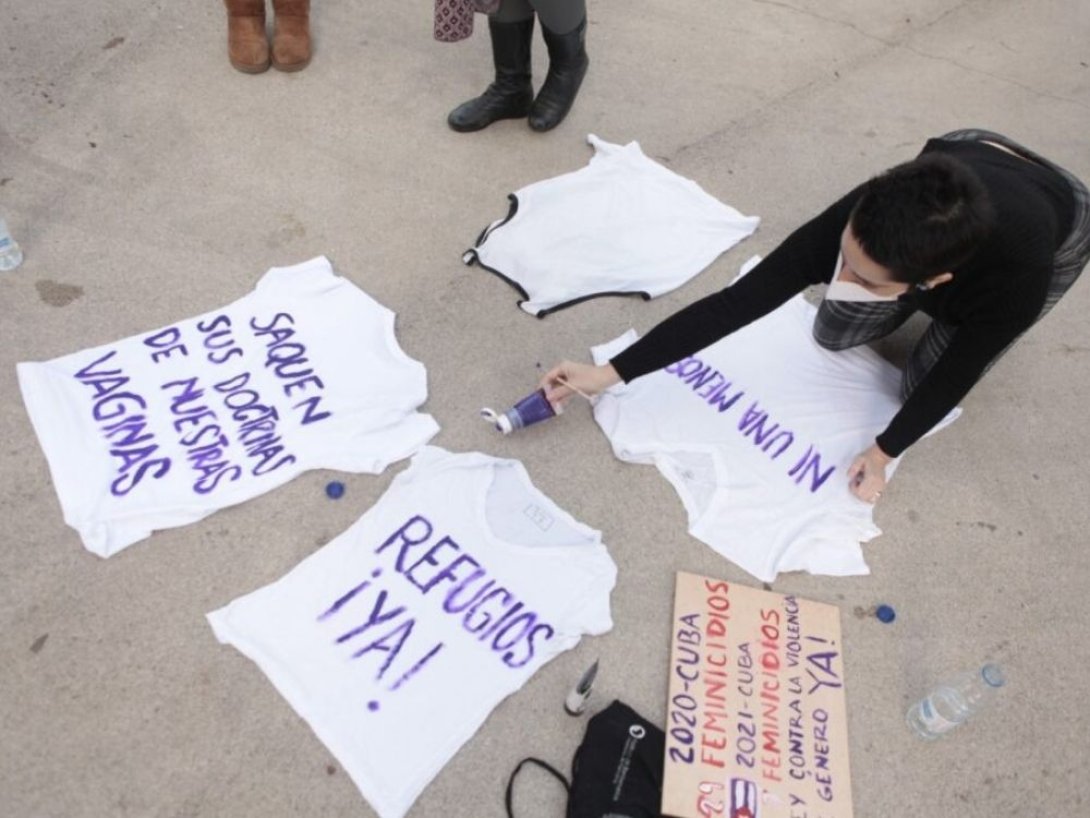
616	771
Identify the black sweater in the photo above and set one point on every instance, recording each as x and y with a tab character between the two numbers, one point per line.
991	300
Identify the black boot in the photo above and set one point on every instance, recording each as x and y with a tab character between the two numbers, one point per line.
567	66
511	95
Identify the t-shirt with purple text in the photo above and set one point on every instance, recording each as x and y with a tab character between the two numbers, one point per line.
161	429
756	433
397	639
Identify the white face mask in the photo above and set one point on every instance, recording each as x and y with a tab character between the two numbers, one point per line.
849	291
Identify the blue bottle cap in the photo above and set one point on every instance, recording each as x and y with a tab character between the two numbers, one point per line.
885	613
993	675
334	490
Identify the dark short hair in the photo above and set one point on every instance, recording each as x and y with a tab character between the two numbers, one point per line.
923	217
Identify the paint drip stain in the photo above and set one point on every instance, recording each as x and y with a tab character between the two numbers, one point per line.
978	524
56	294
289	230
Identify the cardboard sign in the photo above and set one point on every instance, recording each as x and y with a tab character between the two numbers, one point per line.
756	722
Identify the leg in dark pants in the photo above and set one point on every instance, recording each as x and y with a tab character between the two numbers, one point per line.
564	27
510	96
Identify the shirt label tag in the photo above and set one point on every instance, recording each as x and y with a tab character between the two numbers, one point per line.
539	516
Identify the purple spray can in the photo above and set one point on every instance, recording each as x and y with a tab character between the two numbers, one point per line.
532	409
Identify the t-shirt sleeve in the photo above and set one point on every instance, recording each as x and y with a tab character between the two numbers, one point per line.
806	257
312	277
591	613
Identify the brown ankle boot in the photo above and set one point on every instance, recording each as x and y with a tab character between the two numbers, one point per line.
291	35
247	43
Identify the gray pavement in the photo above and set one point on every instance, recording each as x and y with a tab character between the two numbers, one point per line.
147	181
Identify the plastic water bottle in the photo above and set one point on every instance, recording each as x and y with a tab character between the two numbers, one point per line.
954	701
10	254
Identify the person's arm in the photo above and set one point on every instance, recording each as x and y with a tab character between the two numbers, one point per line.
956	371
806	257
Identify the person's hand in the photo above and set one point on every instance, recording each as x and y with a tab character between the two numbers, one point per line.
867	474
568	378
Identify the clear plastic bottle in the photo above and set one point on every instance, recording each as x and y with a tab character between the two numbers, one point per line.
10	254
954	701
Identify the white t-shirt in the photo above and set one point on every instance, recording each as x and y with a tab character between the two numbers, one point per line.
395	641
756	434
161	429
622	225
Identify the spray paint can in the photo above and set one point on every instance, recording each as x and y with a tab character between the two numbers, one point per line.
534	408
576	702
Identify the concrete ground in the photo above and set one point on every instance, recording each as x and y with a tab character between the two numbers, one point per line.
148	181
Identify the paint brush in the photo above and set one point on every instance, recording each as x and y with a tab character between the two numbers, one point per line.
565	382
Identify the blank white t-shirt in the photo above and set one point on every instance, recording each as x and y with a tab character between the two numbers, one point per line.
622	225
